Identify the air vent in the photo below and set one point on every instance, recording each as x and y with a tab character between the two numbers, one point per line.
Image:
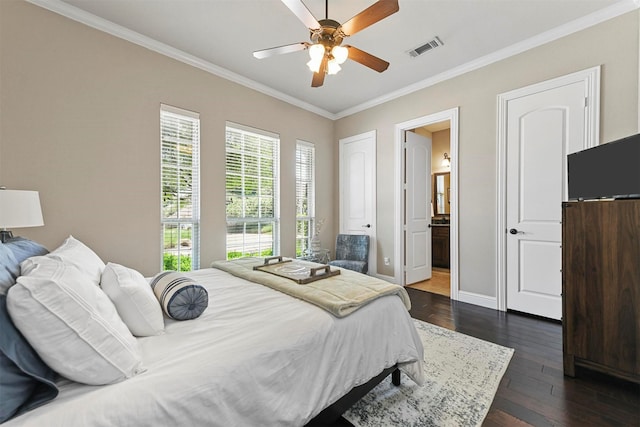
430	45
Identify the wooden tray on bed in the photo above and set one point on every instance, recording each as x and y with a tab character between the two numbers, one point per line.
299	272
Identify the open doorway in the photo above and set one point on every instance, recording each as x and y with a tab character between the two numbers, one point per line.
440	209
442	129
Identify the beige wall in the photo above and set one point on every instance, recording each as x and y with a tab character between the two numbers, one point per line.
441	144
80	124
613	44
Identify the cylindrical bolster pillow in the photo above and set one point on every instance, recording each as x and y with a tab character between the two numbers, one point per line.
180	297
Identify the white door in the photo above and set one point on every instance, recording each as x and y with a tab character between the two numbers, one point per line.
418	207
542	128
358	189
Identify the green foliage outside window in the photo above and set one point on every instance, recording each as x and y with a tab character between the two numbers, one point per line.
237	254
171	262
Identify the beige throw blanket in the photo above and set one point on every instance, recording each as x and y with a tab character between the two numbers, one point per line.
339	295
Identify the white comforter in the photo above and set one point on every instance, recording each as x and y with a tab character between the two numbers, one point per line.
256	357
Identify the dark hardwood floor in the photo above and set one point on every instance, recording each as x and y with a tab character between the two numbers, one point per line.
534	390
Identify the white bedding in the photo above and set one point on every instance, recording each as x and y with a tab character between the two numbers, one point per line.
256	357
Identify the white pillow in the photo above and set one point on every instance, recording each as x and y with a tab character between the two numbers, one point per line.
136	304
73	325
73	252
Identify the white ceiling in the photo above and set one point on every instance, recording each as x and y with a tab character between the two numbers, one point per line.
220	36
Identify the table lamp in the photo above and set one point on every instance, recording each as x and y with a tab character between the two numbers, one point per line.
18	208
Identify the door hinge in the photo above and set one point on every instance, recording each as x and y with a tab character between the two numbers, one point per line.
586	101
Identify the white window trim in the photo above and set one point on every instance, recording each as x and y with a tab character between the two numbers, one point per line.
312	199
195	208
276	205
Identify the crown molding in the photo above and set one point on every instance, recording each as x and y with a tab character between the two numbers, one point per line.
580	24
119	31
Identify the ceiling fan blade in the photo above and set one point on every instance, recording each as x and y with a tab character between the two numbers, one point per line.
374	13
318	78
295	47
300	10
367	59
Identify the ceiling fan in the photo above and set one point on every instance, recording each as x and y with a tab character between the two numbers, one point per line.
326	50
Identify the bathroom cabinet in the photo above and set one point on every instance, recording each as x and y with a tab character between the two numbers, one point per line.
440	245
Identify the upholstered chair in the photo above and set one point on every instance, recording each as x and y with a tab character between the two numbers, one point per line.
352	252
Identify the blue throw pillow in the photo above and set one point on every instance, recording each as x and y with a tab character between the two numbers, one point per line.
26	382
9	269
24	248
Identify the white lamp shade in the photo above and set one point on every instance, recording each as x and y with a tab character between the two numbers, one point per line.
314	65
316	51
333	67
340	53
20	208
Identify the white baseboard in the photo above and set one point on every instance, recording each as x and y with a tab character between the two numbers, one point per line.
477	299
389	279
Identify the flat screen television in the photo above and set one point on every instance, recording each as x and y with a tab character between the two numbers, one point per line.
610	170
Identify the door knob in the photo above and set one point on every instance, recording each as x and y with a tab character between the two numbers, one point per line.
514	231
367	226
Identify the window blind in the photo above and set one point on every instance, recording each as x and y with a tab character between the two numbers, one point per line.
180	188
252	186
305	195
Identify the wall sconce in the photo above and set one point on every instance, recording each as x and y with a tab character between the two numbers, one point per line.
18	209
446	161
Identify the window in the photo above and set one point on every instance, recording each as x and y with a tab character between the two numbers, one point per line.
252	165
305	195
180	181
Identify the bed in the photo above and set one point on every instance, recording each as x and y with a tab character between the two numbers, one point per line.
255	356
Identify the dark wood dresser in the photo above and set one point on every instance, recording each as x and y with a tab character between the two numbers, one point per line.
601	287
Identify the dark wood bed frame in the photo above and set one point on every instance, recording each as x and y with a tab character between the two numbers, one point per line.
333	412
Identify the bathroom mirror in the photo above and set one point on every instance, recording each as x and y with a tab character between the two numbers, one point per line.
441	193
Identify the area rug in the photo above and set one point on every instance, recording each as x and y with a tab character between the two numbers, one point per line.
462	376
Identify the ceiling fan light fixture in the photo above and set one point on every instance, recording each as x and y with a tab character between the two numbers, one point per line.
340	54
327	35
316	52
333	67
314	64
